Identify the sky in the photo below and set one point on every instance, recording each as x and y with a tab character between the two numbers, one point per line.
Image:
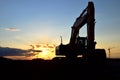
28	22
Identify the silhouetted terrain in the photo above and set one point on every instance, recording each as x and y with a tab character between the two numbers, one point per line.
58	69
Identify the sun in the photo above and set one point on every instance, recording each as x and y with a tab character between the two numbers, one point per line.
47	51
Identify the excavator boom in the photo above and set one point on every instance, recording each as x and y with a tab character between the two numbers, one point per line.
86	17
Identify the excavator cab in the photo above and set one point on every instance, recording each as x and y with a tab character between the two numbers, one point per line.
80	47
82	41
81	44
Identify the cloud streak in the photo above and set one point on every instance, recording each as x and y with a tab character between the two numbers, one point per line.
6	51
12	29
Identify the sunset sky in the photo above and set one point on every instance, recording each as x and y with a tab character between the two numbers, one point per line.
28	22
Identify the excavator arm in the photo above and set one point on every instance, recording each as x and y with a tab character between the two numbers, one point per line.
86	17
80	21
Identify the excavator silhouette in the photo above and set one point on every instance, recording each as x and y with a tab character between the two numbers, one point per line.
84	46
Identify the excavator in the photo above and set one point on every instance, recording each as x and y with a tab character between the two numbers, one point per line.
84	46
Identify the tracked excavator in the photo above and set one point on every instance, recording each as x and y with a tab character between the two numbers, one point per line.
84	46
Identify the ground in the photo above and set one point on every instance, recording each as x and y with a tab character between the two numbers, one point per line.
58	69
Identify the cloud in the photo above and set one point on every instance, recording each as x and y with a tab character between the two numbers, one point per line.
6	51
12	29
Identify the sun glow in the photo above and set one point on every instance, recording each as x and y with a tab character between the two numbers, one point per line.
47	51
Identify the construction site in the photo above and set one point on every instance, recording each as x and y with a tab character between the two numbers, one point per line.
91	65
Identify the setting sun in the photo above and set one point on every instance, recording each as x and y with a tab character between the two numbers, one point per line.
47	51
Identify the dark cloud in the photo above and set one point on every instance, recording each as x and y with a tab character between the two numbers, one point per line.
32	52
5	51
12	29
